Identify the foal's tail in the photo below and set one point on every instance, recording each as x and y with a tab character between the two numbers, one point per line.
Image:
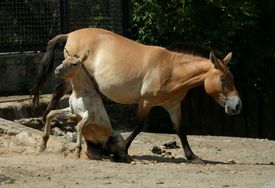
47	64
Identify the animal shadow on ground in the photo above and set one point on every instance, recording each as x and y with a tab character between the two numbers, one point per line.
5	180
163	159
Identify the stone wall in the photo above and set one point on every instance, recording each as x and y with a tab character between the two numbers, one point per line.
19	71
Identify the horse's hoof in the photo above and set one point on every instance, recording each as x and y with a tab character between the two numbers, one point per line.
128	159
124	159
198	161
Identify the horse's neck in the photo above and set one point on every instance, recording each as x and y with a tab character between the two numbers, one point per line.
191	70
82	82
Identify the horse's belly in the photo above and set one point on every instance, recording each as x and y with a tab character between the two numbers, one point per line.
125	92
120	95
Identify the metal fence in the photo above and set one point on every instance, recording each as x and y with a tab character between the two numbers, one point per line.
27	25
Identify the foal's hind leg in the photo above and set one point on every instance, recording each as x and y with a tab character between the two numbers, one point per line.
59	91
175	115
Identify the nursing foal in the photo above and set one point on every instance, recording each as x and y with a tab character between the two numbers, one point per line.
85	105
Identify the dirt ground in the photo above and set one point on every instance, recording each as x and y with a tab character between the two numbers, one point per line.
230	162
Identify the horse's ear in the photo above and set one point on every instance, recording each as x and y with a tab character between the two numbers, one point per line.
84	56
66	53
213	58
227	58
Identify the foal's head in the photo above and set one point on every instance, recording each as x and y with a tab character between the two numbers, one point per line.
69	67
219	84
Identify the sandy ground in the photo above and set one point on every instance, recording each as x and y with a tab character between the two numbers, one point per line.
230	162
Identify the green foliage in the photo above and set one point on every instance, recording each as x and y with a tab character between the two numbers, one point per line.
245	27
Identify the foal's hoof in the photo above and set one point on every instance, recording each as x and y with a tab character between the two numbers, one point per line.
42	148
91	156
76	156
77	153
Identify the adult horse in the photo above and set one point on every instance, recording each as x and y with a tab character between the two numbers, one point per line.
131	73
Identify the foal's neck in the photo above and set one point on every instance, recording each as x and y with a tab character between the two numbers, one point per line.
82	82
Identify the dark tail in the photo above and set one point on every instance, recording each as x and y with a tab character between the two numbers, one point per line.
47	65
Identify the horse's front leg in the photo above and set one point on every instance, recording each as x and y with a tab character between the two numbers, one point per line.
176	117
143	110
47	127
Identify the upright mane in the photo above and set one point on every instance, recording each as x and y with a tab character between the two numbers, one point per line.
193	49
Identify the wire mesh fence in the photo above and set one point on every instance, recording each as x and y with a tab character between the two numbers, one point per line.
27	25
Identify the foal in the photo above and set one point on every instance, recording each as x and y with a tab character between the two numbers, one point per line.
86	106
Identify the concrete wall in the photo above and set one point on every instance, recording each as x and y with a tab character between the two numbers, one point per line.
19	71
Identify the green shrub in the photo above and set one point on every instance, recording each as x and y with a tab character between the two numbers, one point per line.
245	27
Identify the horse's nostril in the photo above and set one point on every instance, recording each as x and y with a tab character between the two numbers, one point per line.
237	107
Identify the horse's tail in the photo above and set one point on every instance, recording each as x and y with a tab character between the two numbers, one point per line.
47	64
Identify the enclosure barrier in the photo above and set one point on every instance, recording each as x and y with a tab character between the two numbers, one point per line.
28	25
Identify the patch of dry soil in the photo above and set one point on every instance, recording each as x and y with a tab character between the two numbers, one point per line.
231	162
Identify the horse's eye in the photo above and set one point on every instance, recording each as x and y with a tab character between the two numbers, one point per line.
222	79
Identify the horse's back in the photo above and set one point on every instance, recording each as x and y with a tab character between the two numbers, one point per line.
119	65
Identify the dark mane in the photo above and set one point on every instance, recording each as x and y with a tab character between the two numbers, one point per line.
193	49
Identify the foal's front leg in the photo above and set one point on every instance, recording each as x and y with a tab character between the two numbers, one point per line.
66	112
79	130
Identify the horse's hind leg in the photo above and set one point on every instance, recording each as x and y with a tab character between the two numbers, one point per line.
175	115
143	110
59	91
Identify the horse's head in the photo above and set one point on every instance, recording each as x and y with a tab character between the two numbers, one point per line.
219	84
69	67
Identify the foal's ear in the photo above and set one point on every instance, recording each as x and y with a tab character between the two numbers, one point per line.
213	58
84	56
227	58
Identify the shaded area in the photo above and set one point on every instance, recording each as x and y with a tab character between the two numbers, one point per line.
6	180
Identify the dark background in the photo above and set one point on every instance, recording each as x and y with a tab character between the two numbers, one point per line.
247	28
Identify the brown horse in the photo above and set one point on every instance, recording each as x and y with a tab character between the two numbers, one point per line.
131	73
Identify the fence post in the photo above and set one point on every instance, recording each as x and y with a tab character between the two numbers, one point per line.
64	7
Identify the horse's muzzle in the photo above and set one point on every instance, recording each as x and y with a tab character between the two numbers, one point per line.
233	105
